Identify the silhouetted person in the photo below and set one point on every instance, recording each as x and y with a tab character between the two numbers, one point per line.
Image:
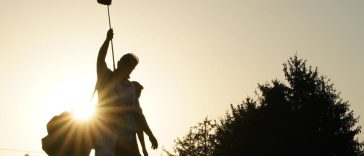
142	125
119	115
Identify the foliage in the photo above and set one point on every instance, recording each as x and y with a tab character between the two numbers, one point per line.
199	141
303	116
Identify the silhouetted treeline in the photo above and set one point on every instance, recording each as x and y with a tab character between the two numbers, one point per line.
199	140
303	115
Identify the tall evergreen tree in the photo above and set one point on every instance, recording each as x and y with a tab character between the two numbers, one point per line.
304	116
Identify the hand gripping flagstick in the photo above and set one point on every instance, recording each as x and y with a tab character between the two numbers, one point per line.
108	3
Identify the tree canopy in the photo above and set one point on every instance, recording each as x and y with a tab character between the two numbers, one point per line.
303	115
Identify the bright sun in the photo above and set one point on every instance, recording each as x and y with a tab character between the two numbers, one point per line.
84	112
71	95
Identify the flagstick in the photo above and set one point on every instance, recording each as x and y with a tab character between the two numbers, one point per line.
112	46
112	50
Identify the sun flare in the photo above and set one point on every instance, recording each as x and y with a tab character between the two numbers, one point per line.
72	95
84	112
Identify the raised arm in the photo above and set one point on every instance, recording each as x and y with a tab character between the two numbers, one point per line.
101	64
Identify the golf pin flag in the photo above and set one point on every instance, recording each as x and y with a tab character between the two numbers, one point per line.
104	2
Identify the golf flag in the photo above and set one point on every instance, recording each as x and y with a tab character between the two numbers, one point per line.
104	2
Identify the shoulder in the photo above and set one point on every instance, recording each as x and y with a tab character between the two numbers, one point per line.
137	85
104	73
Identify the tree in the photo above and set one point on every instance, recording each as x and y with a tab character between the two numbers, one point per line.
302	116
305	116
199	141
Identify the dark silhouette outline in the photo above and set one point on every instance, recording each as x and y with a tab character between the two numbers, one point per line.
67	137
111	109
303	116
143	127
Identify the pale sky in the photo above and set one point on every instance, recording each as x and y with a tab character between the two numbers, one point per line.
196	57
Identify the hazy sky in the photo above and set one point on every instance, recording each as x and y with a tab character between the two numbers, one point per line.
196	57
